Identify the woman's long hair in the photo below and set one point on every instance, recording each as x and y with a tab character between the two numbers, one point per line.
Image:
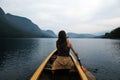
62	41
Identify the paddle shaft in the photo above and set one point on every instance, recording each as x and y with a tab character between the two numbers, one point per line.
80	62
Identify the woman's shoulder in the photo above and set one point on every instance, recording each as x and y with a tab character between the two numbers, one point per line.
69	43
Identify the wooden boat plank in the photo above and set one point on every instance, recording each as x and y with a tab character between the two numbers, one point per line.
41	67
59	74
44	71
81	73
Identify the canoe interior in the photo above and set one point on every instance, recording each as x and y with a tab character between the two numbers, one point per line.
64	74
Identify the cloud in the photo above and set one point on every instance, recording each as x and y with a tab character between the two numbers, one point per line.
109	22
71	15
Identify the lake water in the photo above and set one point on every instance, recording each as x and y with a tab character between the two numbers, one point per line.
19	58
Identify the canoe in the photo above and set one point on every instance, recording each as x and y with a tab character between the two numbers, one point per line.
44	71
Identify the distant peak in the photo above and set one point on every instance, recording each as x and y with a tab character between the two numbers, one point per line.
1	11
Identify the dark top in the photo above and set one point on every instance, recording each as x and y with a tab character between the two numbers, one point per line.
65	53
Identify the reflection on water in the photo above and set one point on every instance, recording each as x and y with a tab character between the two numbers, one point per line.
19	58
101	56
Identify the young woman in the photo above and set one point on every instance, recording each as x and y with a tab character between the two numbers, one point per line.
63	60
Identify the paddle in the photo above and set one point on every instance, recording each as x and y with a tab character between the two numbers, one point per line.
79	62
89	75
82	67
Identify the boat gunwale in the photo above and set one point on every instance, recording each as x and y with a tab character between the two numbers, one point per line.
80	71
38	72
41	67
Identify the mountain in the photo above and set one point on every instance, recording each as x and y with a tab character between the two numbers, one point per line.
1	12
75	35
16	26
100	33
49	33
114	34
5	28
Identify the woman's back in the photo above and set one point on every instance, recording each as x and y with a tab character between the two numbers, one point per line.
65	52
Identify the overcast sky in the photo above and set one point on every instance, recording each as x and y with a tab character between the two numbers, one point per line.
79	16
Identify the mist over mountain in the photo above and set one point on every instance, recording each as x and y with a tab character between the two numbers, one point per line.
100	33
12	26
75	35
16	26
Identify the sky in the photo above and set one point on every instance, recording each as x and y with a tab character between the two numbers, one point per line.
78	16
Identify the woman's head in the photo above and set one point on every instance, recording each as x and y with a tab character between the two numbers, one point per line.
62	41
62	34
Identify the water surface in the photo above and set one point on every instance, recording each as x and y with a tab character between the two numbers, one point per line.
19	58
